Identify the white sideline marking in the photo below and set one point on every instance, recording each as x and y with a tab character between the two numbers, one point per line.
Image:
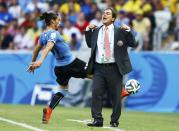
87	121
21	124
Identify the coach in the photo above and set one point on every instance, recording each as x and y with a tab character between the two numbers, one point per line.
109	61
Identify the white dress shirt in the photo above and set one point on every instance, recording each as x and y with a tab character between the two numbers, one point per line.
100	51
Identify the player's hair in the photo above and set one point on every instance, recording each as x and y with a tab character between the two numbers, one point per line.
48	16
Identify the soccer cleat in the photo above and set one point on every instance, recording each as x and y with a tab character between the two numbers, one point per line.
124	93
46	115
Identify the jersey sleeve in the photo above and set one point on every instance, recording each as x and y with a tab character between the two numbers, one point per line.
53	37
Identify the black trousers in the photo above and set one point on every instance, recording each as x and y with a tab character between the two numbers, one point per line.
106	78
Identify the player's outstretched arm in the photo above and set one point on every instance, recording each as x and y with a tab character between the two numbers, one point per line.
34	56
36	52
38	63
45	52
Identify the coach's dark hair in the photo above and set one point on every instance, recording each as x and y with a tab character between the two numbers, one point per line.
113	12
48	16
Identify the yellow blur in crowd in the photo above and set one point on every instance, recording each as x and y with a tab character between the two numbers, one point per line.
65	8
134	5
171	4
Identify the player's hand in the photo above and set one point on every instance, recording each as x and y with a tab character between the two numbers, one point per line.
125	27
34	65
31	69
91	26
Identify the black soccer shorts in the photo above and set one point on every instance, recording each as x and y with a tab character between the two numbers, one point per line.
76	69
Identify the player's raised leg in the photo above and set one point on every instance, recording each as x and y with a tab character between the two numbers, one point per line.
124	93
47	112
132	86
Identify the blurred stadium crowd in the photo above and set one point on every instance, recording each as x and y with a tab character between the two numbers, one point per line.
155	23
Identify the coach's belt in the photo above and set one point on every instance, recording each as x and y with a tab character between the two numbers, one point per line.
106	64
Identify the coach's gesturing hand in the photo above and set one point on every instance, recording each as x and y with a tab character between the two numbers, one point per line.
125	27
91	27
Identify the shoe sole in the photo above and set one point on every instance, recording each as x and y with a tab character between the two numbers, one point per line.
92	125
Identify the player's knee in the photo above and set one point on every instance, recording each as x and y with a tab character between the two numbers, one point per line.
64	87
89	76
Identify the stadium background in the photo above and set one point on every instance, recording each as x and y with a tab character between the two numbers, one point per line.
155	60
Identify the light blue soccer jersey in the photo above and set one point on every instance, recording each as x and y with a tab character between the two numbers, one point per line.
61	49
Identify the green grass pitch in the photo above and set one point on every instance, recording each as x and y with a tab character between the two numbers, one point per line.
130	121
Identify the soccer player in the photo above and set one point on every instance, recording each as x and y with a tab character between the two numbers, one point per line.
67	65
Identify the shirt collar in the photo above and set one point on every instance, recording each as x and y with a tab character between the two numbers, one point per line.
111	26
